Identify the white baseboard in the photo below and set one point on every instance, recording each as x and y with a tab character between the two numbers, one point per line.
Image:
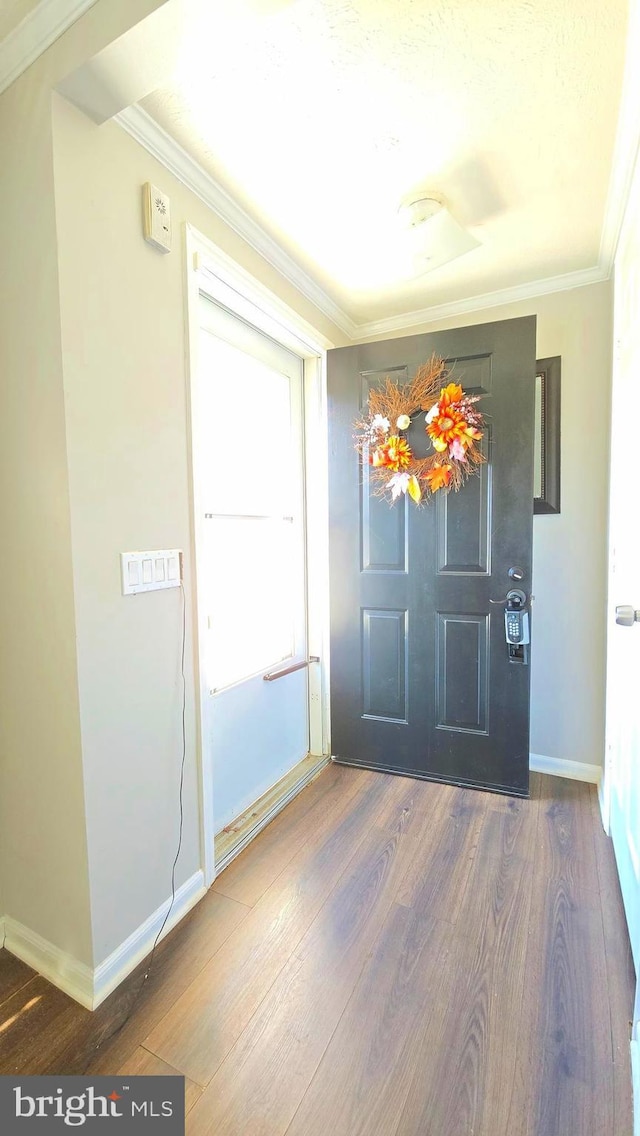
125	958
80	982
60	968
635	1081
561	767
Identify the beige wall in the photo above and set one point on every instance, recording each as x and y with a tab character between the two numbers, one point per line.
123	337
42	836
44	869
94	455
570	549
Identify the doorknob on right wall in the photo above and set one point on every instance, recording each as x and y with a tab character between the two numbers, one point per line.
626	615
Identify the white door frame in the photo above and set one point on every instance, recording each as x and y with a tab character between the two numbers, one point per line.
211	272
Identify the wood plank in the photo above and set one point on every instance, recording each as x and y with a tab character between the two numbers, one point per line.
538	785
464	1058
425	802
254	870
141	1063
485	990
621	978
203	1025
239	830
260	1085
562	1081
566	833
178	960
43	1030
365	1074
37	1022
566	1074
452	822
13	975
510	828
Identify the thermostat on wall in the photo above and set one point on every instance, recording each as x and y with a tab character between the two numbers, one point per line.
156	217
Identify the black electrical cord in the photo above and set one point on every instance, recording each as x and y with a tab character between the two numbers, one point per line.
148	969
180	794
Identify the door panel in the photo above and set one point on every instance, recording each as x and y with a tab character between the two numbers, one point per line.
462	666
463	524
384	665
254	578
421	681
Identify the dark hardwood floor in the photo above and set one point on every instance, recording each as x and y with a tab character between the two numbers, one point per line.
388	958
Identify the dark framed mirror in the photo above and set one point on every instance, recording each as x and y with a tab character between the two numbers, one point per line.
546	449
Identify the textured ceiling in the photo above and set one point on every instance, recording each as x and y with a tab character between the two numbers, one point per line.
319	116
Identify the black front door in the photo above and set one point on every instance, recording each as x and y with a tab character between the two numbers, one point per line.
422	679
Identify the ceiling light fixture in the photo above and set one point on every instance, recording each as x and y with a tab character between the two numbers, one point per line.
435	236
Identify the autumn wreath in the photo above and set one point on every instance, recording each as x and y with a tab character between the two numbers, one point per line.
452	422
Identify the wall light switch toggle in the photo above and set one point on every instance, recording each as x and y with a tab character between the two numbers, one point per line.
150	571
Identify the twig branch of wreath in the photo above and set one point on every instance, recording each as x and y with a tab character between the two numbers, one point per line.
452	422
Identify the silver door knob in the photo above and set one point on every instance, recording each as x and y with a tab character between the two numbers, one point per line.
626	615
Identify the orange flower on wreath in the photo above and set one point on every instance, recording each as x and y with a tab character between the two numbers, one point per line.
394	454
446	424
438	477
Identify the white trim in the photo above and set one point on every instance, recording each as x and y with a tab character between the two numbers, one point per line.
171	155
626	148
563	767
317	549
603	801
528	291
211	271
60	968
199	625
635	1081
33	35
126	957
242	293
90	987
143	128
51	18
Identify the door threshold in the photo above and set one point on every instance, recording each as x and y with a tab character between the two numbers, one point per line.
235	836
417	775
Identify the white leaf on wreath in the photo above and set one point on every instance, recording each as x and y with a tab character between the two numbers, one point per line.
398	484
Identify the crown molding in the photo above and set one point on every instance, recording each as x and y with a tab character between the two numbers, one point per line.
143	128
627	145
529	291
33	35
51	18
171	155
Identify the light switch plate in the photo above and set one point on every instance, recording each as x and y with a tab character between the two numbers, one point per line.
156	217
150	571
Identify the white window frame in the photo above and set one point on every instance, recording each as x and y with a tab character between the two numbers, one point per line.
212	272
